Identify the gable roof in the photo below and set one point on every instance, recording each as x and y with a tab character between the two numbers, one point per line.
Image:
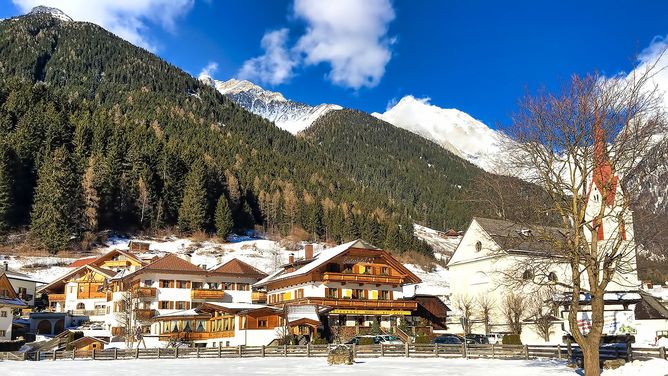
521	238
172	262
649	308
12	274
239	268
105	272
328	254
114	252
12	298
81	262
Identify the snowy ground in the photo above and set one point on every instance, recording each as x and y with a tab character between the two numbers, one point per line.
292	366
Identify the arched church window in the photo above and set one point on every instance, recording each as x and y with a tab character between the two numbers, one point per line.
528	274
478	246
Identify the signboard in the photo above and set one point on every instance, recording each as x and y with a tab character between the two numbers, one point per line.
368	312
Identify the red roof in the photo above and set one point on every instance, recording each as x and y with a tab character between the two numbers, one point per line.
172	262
238	267
81	262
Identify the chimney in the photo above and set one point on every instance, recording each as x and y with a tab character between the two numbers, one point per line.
308	251
291	258
6	266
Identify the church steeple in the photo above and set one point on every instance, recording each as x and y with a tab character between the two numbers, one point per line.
604	178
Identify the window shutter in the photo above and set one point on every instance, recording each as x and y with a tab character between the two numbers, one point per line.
374	294
171	305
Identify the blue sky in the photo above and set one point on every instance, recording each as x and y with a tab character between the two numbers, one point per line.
477	56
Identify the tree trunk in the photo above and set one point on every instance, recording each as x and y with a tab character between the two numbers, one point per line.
591	360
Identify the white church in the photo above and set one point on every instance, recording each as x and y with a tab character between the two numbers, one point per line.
494	256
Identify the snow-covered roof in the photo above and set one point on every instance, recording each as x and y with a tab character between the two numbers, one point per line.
320	259
240	306
186	312
11	274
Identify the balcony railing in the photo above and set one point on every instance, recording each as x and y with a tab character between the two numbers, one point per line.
258	297
117	263
362	278
56	297
145	292
144	313
201	294
89	312
408	305
193	336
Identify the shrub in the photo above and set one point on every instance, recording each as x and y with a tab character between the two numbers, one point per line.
422	339
511	339
366	341
319	341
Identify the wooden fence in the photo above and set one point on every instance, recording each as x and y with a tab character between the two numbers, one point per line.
305	351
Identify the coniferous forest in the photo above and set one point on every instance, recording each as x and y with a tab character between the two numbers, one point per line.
97	134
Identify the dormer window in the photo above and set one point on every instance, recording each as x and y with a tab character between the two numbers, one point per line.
525	232
552	277
528	274
478	246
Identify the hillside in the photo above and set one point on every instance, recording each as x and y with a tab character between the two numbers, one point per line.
99	134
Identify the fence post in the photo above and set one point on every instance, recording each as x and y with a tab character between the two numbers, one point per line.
137	353
436	349
463	350
354	351
74	354
308	350
39	355
559	351
93	354
262	351
220	349
116	352
662	352
406	350
54	354
493	351
239	351
569	350
285	350
176	352
382	350
158	352
197	348
526	352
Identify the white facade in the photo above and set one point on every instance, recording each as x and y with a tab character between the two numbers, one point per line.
6	318
24	286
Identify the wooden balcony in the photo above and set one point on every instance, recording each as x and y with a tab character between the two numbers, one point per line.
194	336
56	297
117	263
144	313
204	294
362	304
363	278
145	292
258	297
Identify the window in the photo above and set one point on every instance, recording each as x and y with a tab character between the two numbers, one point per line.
182	305
163	304
164	283
384	270
528	274
552	277
148	283
182	284
243	322
299	293
242	286
3	314
261	323
332	293
228	285
198	285
80	306
383	295
214	285
478	246
4	293
2	333
358	294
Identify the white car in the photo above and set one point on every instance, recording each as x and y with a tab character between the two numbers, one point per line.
495	338
387	339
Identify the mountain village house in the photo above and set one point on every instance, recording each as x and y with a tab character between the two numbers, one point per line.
9	301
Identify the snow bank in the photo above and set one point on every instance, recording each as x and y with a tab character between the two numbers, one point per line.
654	367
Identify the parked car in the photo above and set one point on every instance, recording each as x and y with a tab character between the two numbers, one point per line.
448	339
494	338
477	338
611	347
387	339
357	339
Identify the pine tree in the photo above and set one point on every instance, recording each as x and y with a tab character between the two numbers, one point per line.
223	217
52	220
5	192
192	213
91	197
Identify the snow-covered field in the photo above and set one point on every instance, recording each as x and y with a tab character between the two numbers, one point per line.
283	366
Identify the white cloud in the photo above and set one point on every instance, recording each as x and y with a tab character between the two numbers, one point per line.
209	69
276	65
349	35
656	57
125	18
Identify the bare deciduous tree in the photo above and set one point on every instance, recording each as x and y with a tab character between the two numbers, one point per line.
541	311
514	310
575	145
486	305
466	305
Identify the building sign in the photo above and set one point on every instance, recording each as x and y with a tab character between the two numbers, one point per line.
369	312
358	260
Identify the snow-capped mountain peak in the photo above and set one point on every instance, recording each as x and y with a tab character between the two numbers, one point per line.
453	129
55	12
289	115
